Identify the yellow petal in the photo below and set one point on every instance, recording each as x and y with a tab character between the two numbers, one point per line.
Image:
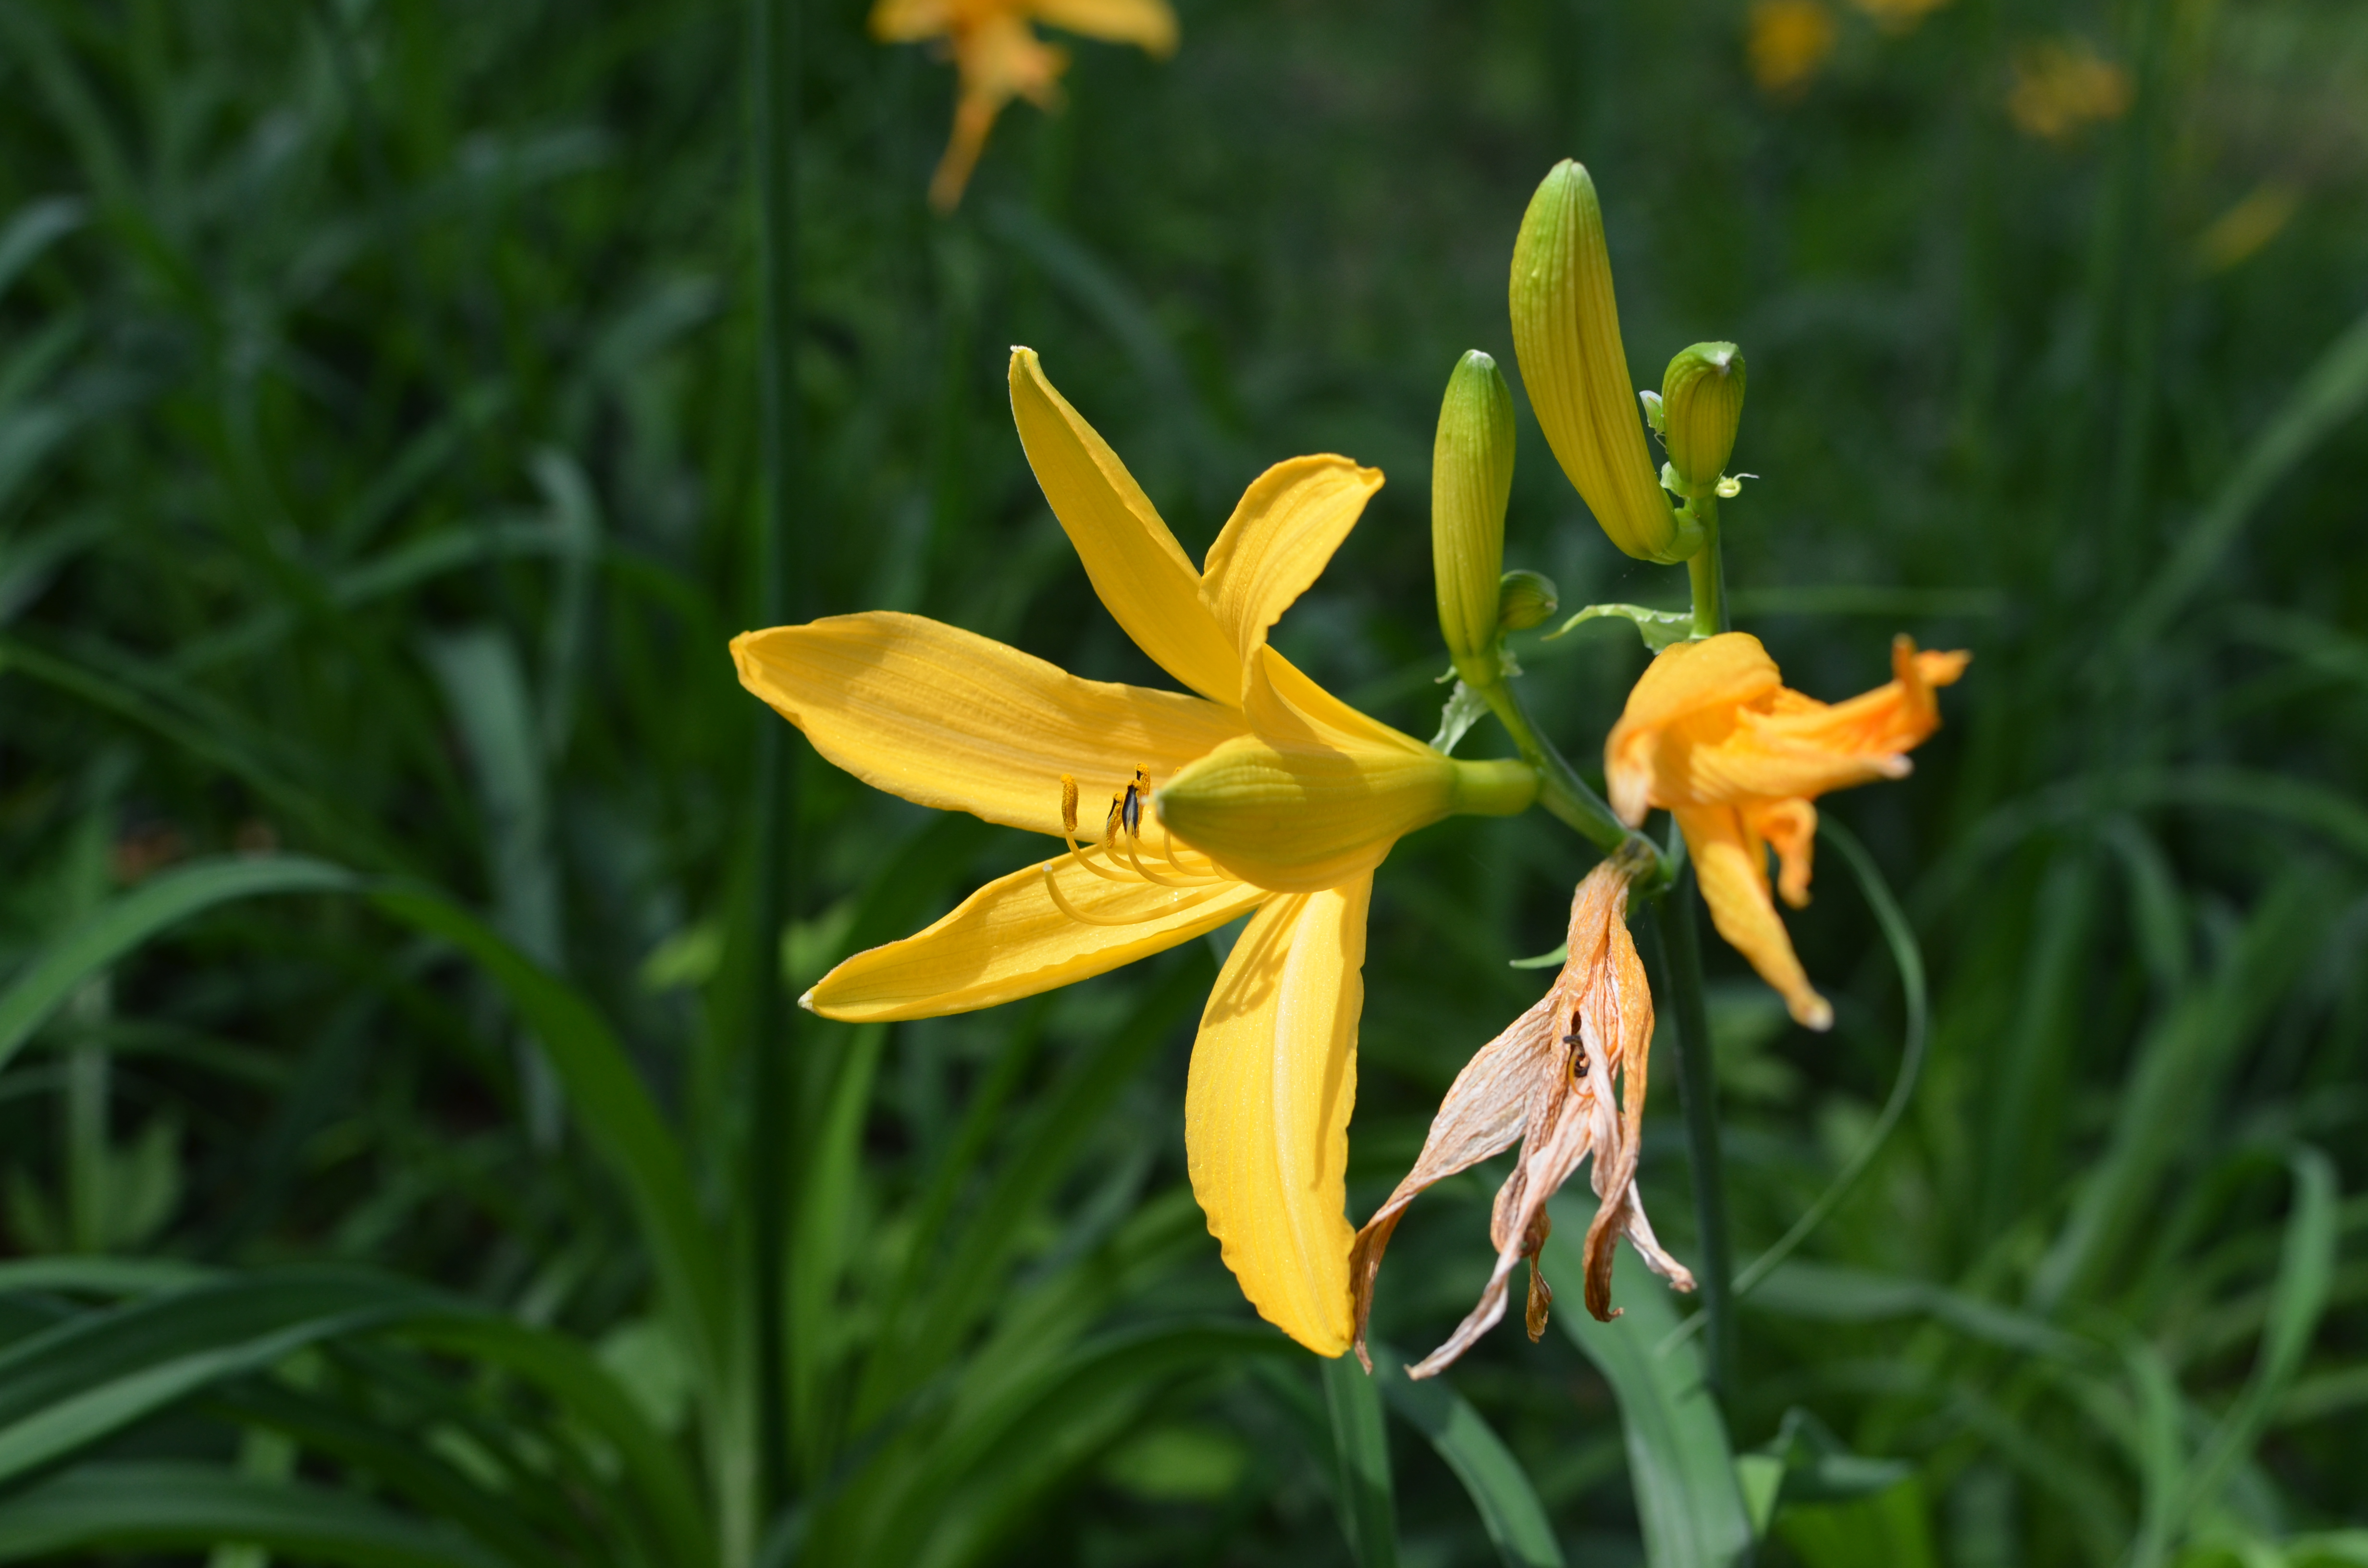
1275	545
1267	1104
1321	793
903	21
1011	940
949	718
1706	679
1134	562
1149	23
1732	865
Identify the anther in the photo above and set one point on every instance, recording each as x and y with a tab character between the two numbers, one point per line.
1578	1056
1069	805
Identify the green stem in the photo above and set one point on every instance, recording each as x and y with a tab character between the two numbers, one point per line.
1563	792
779	581
1682	983
1707	569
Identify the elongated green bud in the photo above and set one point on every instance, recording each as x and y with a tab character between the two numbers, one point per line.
1701	403
1471	481
1566	336
1525	599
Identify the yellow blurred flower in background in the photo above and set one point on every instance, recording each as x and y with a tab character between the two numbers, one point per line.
2062	86
2238	234
1712	735
1000	57
1789	40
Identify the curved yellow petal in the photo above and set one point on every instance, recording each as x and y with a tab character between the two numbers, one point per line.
1134	562
1148	23
1320	792
1707	681
1267	1106
1731	863
904	21
1774	744
1277	542
951	719
1010	939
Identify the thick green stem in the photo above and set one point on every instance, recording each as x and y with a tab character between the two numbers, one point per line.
1562	791
1707	569
779	587
1681	984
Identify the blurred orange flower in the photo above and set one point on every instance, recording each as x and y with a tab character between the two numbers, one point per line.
2062	86
1000	57
1712	735
1788	39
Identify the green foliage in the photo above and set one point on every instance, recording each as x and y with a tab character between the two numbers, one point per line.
380	476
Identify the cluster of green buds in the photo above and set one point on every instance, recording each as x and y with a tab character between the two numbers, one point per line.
1566	338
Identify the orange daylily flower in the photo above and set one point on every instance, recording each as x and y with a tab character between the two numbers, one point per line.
1712	735
1000	57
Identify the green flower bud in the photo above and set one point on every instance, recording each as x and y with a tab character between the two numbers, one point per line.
1566	336
1701	403
1525	599
1471	481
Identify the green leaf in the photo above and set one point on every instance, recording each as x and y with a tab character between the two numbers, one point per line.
1499	1488
1805	1463
1687	1495
113	929
91	1376
2332	391
1659	628
613	1107
1360	1464
169	1506
1886	1530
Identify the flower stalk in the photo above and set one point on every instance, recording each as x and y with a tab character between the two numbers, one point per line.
781	577
1706	569
1674	923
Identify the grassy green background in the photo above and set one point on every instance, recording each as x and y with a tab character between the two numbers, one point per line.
380	481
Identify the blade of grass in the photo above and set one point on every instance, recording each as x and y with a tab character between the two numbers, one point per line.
122	924
1360	1464
162	1505
1499	1488
1679	1458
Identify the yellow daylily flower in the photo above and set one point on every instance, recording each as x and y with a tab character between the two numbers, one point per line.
1712	735
999	58
1291	798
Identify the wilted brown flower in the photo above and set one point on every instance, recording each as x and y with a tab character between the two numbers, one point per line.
1547	1081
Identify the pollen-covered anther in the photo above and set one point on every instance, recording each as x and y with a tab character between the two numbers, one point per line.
1117	858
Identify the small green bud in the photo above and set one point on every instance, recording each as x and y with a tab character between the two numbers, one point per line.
1471	481
1566	336
1652	402
1525	599
1702	401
